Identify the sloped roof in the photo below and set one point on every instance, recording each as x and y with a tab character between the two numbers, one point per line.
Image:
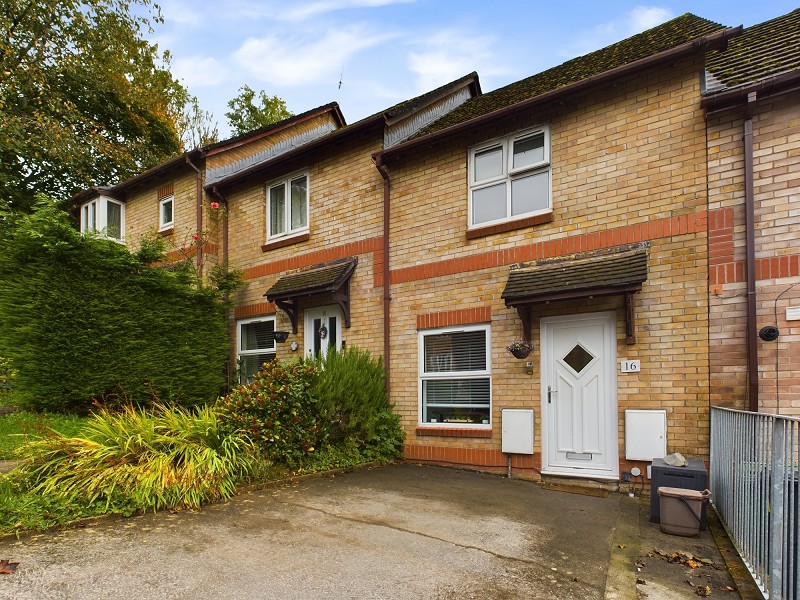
398	111
578	275
764	50
314	280
678	31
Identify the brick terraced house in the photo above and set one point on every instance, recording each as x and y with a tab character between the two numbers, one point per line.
752	99
593	210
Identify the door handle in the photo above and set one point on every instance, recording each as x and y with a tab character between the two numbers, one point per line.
550	392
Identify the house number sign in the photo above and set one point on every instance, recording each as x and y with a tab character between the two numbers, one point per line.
630	366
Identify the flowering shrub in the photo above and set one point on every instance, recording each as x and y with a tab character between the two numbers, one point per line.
276	411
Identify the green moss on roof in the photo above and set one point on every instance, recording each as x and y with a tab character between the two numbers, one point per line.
762	51
680	30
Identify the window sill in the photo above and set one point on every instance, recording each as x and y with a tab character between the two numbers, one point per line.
167	231
463	432
479	232
283	242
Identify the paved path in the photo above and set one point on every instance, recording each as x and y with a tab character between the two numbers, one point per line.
402	531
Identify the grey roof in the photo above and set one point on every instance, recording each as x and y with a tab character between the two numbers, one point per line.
621	268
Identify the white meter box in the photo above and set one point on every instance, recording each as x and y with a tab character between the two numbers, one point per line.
518	430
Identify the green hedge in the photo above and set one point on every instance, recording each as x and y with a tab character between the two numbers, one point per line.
83	320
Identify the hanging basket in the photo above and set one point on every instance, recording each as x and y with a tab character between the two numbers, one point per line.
520	349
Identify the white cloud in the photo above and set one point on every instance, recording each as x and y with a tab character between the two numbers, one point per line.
301	11
199	71
638	19
304	60
449	55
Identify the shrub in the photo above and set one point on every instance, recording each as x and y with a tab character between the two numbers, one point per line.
276	411
83	319
351	400
141	460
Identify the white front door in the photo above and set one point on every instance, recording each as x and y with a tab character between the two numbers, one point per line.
323	330
579	400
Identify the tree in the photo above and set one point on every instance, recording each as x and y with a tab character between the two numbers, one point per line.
197	127
84	99
245	116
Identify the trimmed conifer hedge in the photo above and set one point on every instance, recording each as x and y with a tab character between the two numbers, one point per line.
82	319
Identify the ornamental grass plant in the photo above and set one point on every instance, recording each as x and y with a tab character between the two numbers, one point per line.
140	460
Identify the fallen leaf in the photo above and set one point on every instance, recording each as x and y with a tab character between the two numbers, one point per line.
703	591
640	581
7	568
728	588
622	545
692	564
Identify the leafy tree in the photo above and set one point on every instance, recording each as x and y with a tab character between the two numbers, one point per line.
197	126
83	97
245	115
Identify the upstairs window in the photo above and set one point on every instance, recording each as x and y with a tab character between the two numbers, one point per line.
105	217
166	216
510	178
287	207
455	376
256	345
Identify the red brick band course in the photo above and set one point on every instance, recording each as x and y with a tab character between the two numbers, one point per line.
466	316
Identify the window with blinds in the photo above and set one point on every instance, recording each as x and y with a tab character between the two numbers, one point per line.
455	377
256	345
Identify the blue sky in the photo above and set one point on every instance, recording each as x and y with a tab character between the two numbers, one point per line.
386	51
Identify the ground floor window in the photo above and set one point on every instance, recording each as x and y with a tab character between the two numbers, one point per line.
455	382
256	345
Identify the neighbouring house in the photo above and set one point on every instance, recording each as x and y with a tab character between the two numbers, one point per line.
752	99
594	210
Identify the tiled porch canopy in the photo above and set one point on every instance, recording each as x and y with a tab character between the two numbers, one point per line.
330	279
618	271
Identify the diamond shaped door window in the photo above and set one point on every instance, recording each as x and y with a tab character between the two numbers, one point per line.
578	358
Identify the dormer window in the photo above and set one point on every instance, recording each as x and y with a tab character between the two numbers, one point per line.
166	218
104	216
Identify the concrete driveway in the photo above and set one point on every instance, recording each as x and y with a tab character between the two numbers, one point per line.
402	531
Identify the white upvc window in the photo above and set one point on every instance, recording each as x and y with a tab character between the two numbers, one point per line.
255	345
287	206
510	178
166	214
455	379
104	216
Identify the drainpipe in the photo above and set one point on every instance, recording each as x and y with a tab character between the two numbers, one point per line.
199	180
215	192
386	285
750	245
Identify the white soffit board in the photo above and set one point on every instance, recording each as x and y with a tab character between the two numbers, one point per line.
645	434
517	431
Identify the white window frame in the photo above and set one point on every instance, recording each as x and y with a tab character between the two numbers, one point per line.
453	375
239	339
164	225
286	182
509	174
94	218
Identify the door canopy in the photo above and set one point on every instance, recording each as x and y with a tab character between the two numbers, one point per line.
618	271
331	280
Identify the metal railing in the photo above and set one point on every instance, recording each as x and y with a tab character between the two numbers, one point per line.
754	482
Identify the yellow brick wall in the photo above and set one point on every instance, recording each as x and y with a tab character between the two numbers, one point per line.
142	211
345	207
622	156
776	150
